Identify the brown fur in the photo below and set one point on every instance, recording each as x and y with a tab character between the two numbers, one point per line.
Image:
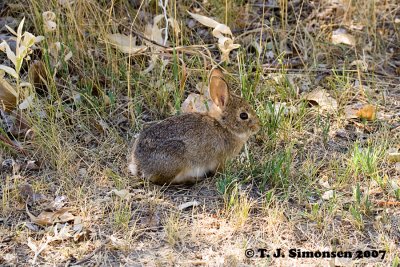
184	148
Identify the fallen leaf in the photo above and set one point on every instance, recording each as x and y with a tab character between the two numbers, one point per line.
152	31
123	194
362	111
322	99
48	20
196	103
78	225
368	112
46	218
31	165
32	245
26	103
389	203
328	195
340	36
38	76
57	204
188	204
118	243
125	43
362	64
8	95
324	182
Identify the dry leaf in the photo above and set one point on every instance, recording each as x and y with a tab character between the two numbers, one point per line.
57	203
367	112
153	32
389	203
123	194
55	49
328	195
26	103
175	25
46	218
322	99
324	182
340	36
188	204
209	22
196	103
32	245
8	95
225	44
48	20
362	64
125	43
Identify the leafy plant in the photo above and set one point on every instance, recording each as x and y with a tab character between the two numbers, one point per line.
24	43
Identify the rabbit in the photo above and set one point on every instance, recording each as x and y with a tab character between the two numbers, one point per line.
187	148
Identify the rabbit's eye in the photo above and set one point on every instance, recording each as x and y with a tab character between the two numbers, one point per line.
244	116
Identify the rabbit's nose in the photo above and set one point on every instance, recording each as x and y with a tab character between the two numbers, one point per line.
255	127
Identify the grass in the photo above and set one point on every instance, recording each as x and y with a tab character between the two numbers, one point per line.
88	109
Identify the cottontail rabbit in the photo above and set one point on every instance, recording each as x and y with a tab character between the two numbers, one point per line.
188	147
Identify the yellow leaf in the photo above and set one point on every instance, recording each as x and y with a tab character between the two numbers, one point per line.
367	112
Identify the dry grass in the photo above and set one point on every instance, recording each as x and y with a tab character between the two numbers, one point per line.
270	196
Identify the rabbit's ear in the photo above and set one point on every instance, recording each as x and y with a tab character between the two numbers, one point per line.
219	91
